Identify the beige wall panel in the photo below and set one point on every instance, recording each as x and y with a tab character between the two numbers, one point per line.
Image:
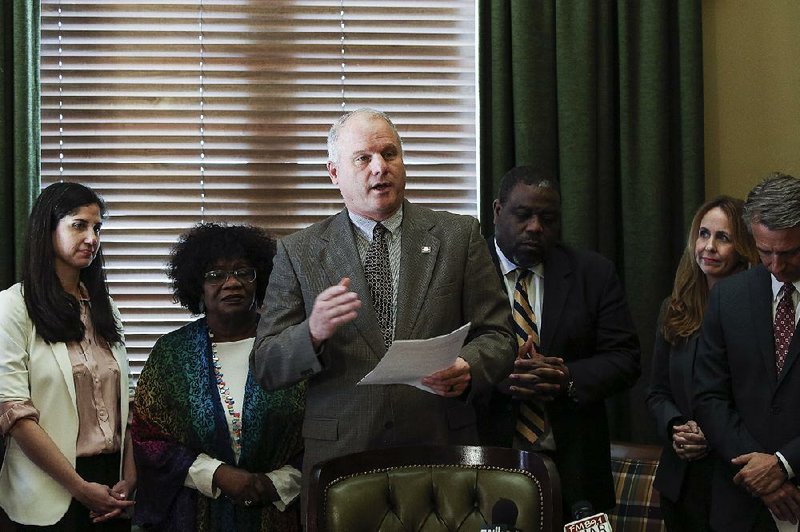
751	55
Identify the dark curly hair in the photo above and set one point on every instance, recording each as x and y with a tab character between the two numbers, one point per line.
199	248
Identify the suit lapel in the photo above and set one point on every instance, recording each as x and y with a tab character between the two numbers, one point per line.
760	294
687	371
496	261
338	249
61	355
794	345
418	253
791	356
557	285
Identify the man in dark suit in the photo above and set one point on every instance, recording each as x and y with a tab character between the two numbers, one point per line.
747	378
326	319
580	346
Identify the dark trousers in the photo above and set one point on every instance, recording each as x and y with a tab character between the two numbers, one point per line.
691	512
764	522
103	469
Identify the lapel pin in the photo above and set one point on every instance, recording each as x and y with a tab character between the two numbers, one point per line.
426	249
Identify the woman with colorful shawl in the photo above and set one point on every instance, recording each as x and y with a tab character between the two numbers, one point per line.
214	451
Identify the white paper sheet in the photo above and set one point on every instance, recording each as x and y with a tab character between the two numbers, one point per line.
408	361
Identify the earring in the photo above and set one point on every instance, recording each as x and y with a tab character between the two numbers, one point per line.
202	306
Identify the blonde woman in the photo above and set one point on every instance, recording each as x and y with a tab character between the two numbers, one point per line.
719	245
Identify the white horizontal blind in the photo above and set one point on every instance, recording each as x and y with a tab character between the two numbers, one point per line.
122	88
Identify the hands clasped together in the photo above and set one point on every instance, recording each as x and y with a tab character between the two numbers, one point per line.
337	305
105	503
244	488
762	476
688	441
536	376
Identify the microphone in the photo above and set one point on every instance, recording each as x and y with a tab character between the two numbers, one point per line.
582	509
504	517
585	520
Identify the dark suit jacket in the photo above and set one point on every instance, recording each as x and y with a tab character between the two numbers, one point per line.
670	399
586	321
739	401
446	280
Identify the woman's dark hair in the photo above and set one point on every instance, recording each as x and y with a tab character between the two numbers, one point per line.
55	313
204	245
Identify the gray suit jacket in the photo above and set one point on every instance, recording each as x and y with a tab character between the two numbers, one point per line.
739	400
446	280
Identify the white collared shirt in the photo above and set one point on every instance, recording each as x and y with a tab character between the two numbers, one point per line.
535	288
776	287
363	227
547	441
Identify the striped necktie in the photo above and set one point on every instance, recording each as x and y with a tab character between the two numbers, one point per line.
531	414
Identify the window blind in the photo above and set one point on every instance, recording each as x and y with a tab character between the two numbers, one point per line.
189	111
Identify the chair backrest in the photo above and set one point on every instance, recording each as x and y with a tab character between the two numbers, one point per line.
434	488
638	504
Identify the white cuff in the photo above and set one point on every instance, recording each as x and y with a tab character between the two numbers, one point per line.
785	464
287	483
201	475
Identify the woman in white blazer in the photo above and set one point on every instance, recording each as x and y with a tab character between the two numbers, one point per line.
64	376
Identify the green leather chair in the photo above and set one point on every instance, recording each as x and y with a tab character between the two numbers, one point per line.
432	488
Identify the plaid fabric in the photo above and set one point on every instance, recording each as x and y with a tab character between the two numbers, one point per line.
638	506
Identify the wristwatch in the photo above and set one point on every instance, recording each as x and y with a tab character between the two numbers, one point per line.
572	393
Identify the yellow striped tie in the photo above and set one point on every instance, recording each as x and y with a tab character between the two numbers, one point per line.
530	415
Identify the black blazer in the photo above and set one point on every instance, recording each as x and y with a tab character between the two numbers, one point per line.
739	401
586	321
670	398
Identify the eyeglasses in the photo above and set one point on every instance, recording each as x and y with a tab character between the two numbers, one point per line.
243	275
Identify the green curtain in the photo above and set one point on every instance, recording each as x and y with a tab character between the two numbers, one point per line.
19	129
608	95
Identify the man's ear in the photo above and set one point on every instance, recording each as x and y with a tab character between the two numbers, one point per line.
496	207
333	173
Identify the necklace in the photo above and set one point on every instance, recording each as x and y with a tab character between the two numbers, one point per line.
225	395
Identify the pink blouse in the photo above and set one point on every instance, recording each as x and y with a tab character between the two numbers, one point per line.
96	375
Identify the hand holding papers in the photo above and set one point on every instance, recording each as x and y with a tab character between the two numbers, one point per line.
408	361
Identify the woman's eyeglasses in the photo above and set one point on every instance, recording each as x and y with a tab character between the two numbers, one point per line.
243	275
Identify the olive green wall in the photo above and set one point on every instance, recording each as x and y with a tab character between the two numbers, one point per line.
751	63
